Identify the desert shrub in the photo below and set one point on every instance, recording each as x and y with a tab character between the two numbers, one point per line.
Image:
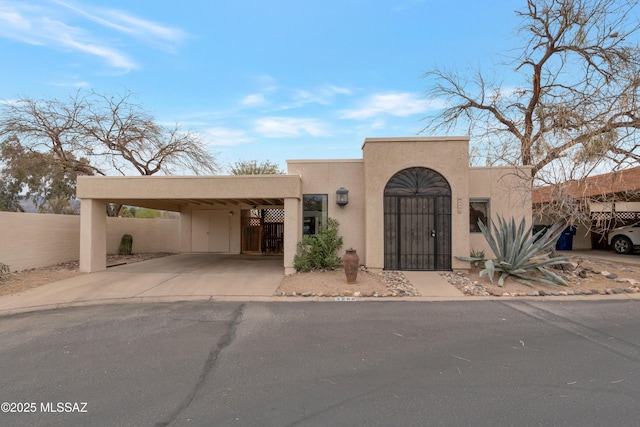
320	252
4	268
476	253
126	245
520	253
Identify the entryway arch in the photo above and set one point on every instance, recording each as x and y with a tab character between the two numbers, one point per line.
417	221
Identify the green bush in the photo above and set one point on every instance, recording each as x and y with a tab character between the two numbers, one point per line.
520	253
320	252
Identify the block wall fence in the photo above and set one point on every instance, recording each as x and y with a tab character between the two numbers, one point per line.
29	240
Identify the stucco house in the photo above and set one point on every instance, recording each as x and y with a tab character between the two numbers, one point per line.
407	204
609	200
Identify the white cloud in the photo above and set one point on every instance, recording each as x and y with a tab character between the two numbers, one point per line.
401	104
72	84
253	100
113	56
46	26
39	26
322	95
128	24
220	136
378	124
13	19
277	127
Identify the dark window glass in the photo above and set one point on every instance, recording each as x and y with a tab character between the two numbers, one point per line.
314	213
478	211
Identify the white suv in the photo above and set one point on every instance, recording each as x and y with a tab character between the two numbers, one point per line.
624	239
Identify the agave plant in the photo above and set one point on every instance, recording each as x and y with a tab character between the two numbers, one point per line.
520	254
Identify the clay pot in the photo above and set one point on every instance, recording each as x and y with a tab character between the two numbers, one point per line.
351	264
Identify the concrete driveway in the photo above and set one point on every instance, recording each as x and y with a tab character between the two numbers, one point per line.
196	277
182	277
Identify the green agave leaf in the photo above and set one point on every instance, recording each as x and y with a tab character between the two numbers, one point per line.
470	258
546	280
489	268
550	261
501	280
489	238
524	282
558	280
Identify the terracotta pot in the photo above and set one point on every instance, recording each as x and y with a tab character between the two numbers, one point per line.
351	264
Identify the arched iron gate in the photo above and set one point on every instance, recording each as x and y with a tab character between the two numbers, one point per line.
417	221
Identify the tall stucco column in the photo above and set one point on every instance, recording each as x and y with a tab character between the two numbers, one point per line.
93	235
292	231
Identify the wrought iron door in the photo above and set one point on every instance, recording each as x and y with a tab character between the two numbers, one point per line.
417	221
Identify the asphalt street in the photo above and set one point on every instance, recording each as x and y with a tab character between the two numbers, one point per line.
475	363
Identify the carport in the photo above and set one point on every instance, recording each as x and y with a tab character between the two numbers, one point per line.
208	205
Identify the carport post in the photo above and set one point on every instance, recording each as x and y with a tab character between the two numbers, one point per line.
93	235
292	232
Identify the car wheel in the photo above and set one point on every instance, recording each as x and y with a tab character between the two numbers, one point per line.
622	245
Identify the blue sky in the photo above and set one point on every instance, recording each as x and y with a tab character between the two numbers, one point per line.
258	79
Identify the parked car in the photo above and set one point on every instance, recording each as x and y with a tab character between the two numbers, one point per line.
625	239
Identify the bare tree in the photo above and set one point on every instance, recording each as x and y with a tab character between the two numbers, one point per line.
97	134
49	126
577	103
253	167
126	136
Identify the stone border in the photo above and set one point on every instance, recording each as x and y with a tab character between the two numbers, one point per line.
473	288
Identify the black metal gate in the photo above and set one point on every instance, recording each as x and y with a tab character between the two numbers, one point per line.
417	221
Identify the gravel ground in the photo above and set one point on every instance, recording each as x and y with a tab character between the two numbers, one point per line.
334	284
584	276
15	282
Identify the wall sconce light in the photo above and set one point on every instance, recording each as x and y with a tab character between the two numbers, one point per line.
230	213
342	197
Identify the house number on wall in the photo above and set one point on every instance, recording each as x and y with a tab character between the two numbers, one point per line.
459	205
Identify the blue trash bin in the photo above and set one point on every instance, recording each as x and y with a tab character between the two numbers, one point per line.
565	242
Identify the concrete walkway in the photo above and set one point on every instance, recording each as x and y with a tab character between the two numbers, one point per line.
432	284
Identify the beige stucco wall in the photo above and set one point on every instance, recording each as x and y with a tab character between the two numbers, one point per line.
327	176
180	194
234	212
32	240
37	240
384	157
509	192
149	234
158	191
361	221
582	239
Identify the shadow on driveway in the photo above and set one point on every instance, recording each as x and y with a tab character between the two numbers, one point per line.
183	276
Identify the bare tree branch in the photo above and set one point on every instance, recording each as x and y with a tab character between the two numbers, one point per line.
580	64
99	134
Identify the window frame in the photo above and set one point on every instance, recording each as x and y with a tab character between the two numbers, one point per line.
473	226
322	215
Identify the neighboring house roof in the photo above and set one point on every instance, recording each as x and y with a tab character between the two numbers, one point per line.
627	180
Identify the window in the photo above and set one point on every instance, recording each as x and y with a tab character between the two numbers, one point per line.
478	211
314	213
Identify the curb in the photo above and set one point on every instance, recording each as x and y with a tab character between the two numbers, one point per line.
273	299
